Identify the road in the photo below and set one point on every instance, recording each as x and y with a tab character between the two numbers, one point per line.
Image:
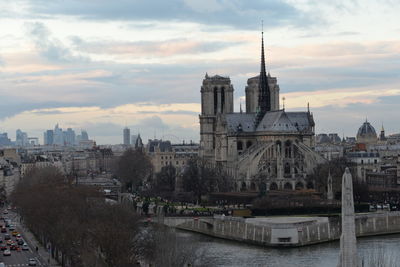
18	258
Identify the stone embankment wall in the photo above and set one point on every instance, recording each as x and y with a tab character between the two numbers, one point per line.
292	233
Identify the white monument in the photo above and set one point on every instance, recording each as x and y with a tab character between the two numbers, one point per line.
348	242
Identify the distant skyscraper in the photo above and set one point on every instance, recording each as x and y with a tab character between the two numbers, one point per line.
4	140
21	138
48	137
127	136
84	135
58	136
69	137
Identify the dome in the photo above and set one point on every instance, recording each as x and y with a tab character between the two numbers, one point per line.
366	133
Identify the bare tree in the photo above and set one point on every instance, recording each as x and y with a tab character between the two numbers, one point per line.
133	168
53	208
165	179
201	178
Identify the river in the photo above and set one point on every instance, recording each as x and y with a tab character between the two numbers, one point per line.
219	252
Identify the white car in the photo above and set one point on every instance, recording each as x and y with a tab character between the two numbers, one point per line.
7	252
32	262
25	246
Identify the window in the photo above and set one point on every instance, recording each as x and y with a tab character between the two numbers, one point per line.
239	145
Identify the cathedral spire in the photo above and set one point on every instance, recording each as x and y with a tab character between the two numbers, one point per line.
264	99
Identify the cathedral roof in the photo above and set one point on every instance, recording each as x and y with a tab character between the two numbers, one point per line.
237	122
273	121
276	121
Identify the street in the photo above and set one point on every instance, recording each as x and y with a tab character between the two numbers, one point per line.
20	257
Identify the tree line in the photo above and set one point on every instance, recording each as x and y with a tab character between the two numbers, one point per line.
135	170
82	229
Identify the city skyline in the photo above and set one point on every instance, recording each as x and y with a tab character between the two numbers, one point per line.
144	68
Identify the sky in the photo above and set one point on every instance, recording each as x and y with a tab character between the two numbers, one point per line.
102	65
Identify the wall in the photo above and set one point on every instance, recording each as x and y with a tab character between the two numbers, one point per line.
304	233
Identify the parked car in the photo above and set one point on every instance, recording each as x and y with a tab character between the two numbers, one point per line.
11	227
7	237
14	246
14	233
3	230
3	246
6	253
32	262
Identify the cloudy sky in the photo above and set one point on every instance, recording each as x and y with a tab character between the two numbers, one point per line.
102	65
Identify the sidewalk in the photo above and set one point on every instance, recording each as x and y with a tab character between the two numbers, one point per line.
43	253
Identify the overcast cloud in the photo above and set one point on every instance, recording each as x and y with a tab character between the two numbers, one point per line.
101	65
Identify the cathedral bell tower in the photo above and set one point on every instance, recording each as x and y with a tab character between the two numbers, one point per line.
216	99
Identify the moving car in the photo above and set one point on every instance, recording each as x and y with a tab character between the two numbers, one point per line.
6	253
32	262
20	242
25	246
14	246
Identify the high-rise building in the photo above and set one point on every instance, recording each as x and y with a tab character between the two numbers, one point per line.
21	138
84	135
48	137
127	136
4	140
69	137
58	137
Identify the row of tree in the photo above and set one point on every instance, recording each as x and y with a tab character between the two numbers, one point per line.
75	221
135	170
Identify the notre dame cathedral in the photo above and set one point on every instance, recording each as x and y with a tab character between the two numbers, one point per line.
264	148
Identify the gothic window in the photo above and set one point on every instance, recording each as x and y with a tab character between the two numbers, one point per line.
288	149
288	186
239	145
215	100
299	186
310	185
273	186
248	144
263	187
222	99
253	187
243	187
287	168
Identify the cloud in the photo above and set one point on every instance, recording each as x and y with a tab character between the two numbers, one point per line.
152	49
49	47
235	13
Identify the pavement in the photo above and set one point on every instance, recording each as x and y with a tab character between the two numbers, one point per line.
19	259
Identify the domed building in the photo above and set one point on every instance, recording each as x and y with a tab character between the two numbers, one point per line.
366	134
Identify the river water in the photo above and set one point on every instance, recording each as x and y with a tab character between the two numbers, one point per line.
218	252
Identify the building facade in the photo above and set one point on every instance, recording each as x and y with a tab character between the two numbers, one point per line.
264	148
